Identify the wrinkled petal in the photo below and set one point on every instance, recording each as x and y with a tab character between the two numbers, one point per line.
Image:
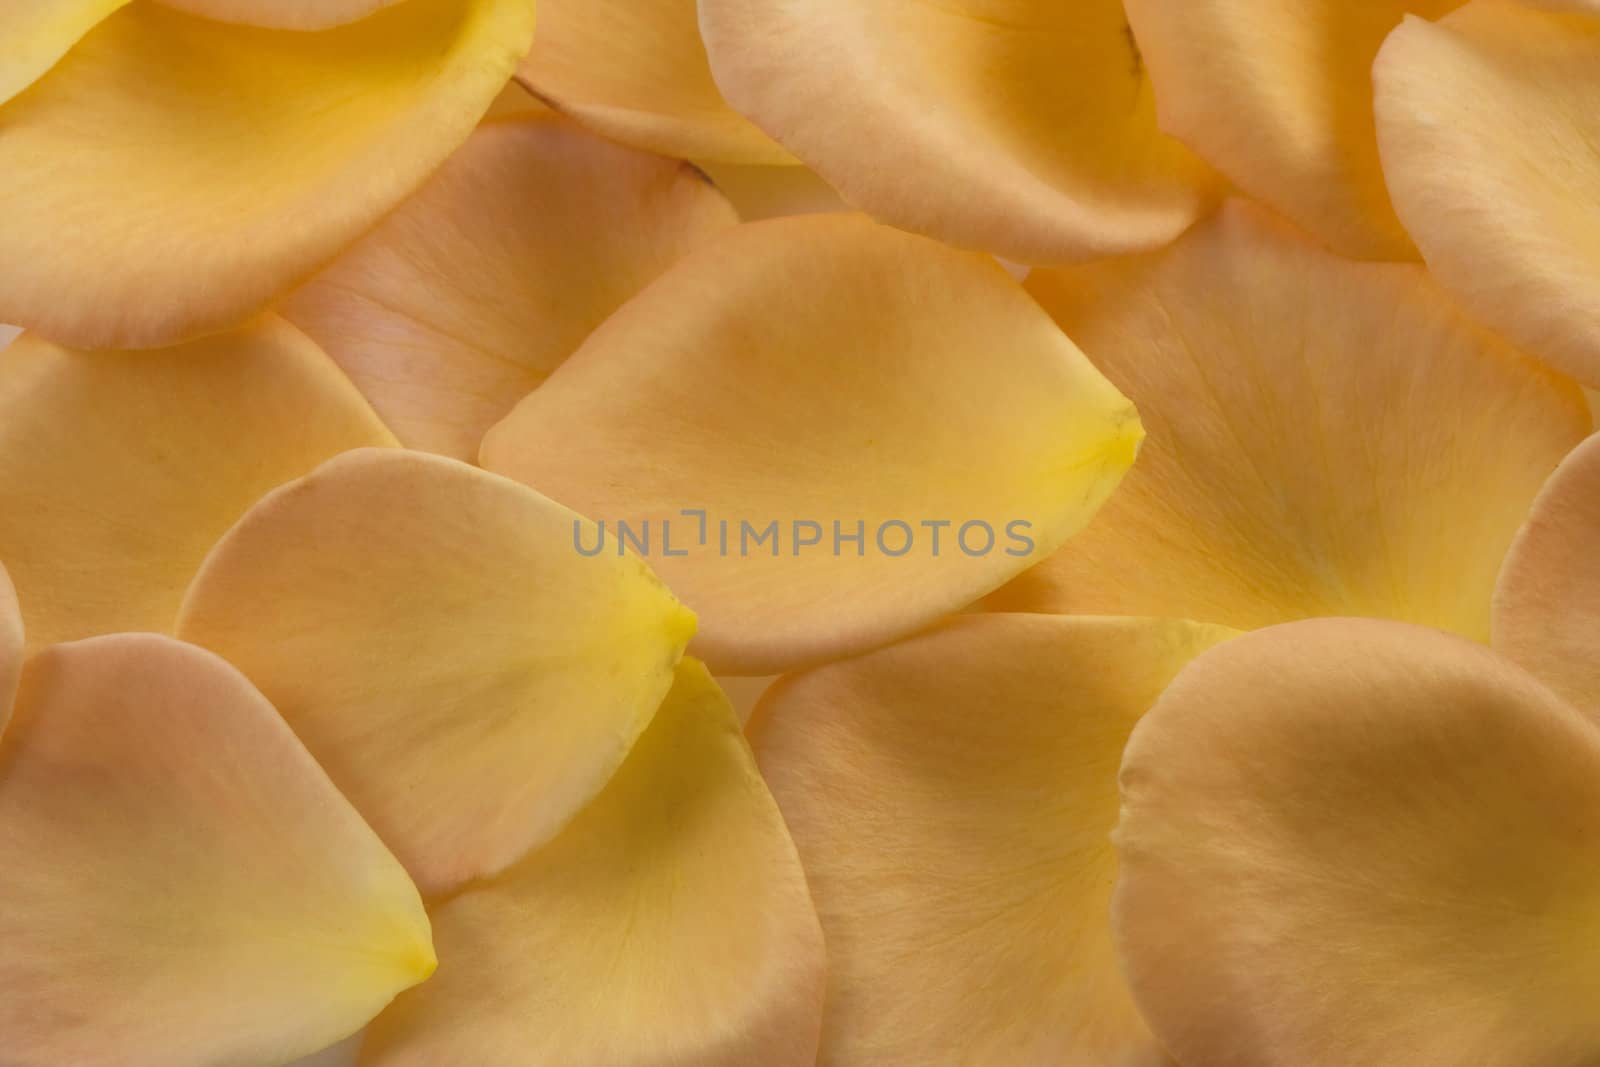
12	645
1547	605
668	925
37	34
829	371
1278	96
758	192
480	285
183	885
1488	122
283	14
1356	842
637	73
952	798
468	679
173	174
120	470
1023	128
1326	438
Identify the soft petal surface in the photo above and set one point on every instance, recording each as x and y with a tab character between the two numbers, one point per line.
1278	96
637	72
1354	842
283	14
173	174
828	371
952	797
37	33
429	630
184	887
480	285
766	192
668	925
120	470
1023	127
1547	606
1326	438
12	644
1488	122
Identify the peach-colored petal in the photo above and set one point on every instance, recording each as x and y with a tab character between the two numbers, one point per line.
480	285
952	798
1326	438
637	73
183	885
283	14
744	693
1278	96
1357	842
1488	122
758	192
12	645
468	678
1547	605
804	380
1022	128
120	470
173	174
668	926
37	33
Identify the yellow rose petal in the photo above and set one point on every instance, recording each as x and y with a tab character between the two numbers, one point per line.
669	925
952	797
37	34
480	285
12	645
1026	129
469	680
1277	94
283	14
1326	438
1358	842
120	470
826	391
172	174
759	192
183	885
637	73
1547	605
1488	122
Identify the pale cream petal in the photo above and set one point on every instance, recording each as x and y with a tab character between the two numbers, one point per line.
12	645
637	73
1547	605
469	679
126	467
1488	122
1326	438
668	926
183	885
1358	842
952	797
173	174
37	33
1021	127
478	287
804	381
283	14
1278	96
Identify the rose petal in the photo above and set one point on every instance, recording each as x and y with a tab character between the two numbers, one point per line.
758	192
172	174
1025	129
952	798
1488	122
1547	605
184	887
126	467
12	644
37	35
668	925
1353	842
480	285
283	14
637	73
822	370
469	680
1326	438
1278	96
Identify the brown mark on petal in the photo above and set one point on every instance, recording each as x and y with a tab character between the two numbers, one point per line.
1133	46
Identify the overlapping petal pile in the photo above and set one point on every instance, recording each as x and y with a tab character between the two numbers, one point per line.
746	533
